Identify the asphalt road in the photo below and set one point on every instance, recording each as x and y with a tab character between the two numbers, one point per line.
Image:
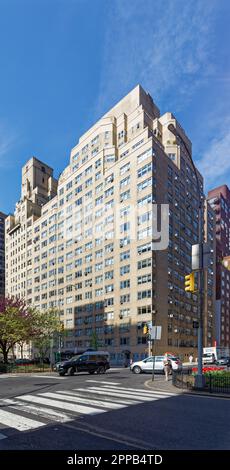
103	412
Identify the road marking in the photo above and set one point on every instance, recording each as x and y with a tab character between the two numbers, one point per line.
145	392
115	393
18	422
61	404
81	394
48	377
2	436
64	396
101	382
38	410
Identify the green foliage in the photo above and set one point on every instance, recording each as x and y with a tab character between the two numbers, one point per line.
94	341
48	325
18	323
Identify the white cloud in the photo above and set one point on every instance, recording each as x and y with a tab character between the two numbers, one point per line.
215	163
7	142
161	45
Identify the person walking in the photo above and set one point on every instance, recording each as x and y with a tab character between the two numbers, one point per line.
167	366
191	358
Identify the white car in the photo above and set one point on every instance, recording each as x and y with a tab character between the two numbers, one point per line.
147	364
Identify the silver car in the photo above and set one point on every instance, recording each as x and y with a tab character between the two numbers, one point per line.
147	364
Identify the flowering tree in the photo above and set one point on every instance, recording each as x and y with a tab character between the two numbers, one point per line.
18	324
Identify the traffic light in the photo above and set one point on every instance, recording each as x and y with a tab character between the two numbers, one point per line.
145	329
62	327
189	283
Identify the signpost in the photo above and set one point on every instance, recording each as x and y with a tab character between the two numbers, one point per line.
155	334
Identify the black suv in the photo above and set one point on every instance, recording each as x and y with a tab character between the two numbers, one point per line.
88	362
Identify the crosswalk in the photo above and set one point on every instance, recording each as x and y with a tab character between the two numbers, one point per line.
33	411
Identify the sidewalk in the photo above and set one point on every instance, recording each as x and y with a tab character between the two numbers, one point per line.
160	384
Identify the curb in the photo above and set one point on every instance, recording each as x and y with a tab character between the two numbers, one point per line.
188	392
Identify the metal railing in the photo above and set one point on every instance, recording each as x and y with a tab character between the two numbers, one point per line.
213	382
23	368
217	383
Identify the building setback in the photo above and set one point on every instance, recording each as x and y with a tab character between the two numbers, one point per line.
88	248
219	199
2	253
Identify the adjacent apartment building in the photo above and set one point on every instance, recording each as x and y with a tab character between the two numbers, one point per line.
2	253
219	199
94	246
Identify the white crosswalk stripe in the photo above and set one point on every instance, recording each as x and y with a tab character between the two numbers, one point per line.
63	406
38	410
77	399
116	393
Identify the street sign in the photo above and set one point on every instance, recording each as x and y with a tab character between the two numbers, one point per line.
156	332
195	324
200	256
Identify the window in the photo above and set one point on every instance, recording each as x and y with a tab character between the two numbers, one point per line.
144	279
125	255
125	227
144	310
144	263
144	294
124	269
124	298
145	184
144	155
124	168
125	182
125	211
109	179
125	284
110	158
144	248
124	196
109	192
144	170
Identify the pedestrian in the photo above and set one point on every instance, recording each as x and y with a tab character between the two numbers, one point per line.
191	358
167	366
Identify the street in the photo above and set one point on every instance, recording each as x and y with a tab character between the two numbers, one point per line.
115	411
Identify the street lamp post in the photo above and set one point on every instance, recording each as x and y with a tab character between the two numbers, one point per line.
199	381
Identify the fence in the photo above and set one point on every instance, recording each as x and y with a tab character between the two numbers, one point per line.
23	368
214	382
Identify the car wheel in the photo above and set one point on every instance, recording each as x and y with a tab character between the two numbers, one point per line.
71	371
91	372
136	370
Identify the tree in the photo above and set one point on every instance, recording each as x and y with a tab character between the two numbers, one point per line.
48	324
94	343
18	323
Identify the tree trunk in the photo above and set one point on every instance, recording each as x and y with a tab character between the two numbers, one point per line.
5	354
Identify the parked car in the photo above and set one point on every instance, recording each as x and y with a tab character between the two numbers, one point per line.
147	364
223	361
91	362
208	358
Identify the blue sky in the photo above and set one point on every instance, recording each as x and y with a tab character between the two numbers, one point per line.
63	63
